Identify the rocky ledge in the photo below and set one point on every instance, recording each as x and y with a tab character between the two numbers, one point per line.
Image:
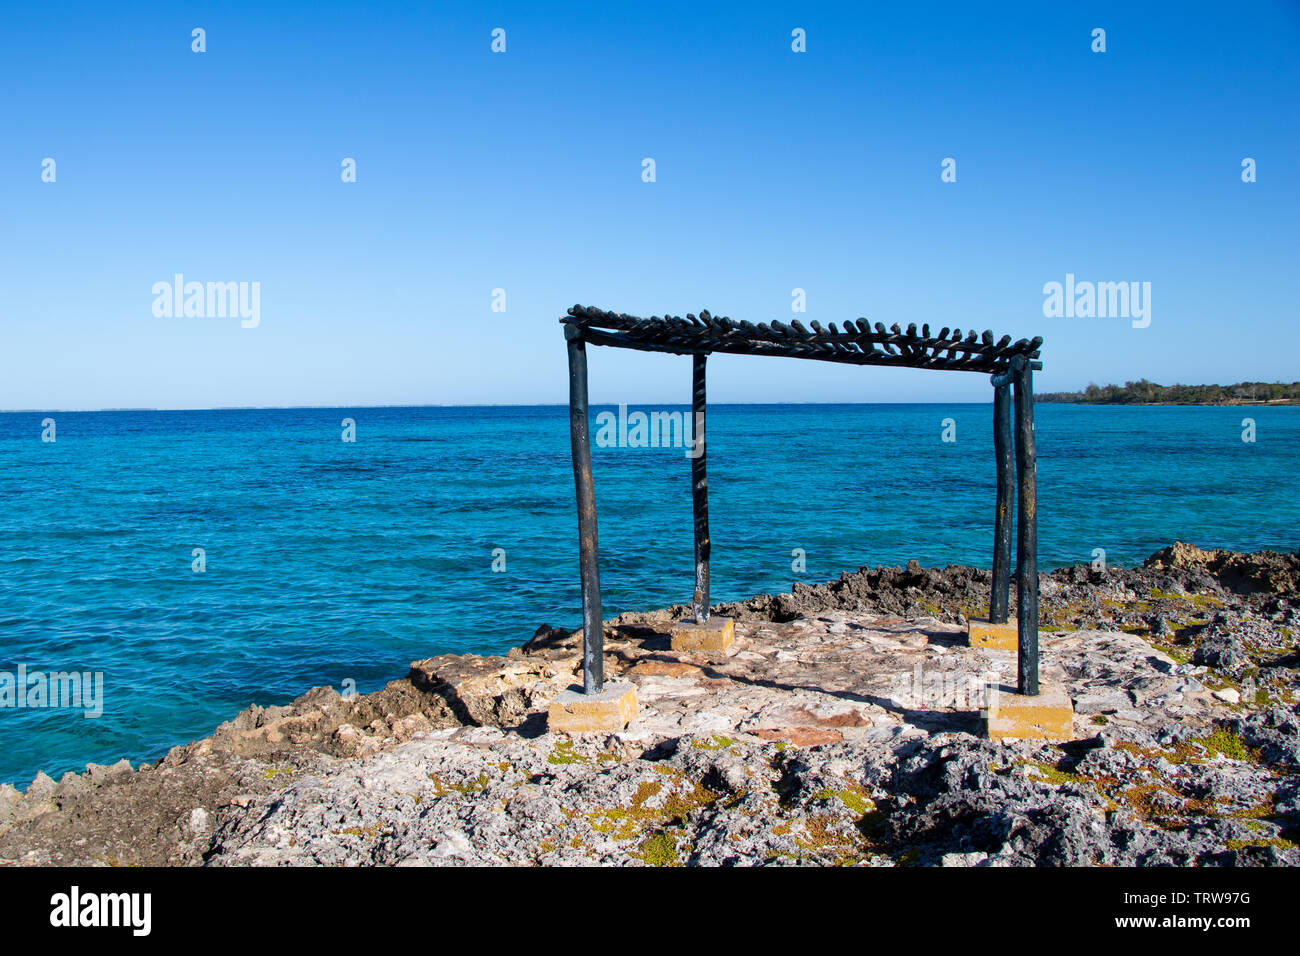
842	726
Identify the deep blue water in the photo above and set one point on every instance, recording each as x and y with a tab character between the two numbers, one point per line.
328	561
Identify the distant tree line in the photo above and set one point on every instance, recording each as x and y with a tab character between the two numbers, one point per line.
1143	392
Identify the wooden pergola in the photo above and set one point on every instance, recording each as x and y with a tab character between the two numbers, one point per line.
1009	364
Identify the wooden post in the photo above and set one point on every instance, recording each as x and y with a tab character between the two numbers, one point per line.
593	635
1026	530
999	600
700	489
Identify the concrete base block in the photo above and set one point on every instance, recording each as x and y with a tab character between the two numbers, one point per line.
715	634
1001	637
608	712
1047	716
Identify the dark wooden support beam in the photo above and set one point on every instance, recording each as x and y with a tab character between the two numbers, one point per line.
857	343
1026	530
999	601
593	635
700	489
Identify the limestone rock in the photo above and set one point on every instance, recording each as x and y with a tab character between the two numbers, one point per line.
842	727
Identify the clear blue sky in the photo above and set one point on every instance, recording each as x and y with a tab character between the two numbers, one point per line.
522	171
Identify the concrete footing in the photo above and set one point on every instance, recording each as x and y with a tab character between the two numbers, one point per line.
1001	637
1047	716
574	712
715	634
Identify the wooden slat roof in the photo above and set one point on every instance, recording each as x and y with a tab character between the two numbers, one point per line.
857	343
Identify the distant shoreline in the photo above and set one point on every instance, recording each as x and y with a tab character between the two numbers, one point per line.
1234	403
1142	392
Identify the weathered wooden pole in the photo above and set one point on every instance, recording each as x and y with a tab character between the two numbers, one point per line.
999	601
1026	529
593	636
700	490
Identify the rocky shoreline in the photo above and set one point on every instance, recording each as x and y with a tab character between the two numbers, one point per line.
841	728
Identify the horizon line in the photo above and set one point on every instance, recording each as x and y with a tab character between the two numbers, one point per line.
270	408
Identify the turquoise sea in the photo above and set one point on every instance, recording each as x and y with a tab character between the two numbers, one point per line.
329	561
